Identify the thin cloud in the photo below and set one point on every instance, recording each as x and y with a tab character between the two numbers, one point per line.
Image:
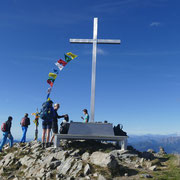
100	51
155	24
145	53
112	6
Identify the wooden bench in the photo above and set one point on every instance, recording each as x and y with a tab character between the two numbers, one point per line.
91	131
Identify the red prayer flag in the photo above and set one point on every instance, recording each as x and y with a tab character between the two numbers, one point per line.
50	82
62	62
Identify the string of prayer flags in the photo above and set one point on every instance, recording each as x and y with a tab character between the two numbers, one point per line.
71	55
67	58
53	75
60	64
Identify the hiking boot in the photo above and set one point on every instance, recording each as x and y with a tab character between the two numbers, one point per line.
47	145
43	145
51	144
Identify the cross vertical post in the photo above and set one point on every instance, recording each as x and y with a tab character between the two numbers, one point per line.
94	41
93	79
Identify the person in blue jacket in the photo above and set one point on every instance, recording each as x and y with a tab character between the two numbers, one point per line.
7	134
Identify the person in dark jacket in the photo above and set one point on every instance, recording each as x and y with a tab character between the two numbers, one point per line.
25	122
55	122
47	124
7	134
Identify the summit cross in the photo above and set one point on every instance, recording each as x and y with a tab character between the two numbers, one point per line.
94	41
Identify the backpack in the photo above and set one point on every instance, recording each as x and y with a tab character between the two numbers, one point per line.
118	130
64	128
46	112
4	127
24	121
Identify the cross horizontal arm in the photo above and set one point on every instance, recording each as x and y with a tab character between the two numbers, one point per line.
108	41
85	41
99	41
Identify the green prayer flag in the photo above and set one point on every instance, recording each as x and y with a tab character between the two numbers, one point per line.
51	79
67	58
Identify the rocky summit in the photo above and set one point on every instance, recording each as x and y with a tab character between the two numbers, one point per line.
83	160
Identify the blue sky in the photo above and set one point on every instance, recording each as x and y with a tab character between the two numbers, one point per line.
137	84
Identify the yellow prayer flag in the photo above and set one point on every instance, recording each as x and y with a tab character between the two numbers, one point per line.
33	114
53	75
71	55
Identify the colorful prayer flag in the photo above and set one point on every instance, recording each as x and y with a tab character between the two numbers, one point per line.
71	55
49	90
62	62
51	79
67	58
55	71
53	75
50	82
59	66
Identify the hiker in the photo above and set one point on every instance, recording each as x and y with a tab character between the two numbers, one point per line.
6	128
55	121
47	114
25	122
86	117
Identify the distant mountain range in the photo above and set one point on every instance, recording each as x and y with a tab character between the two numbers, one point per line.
171	143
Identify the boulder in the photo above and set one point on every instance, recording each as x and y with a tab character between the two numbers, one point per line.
161	151
49	175
77	168
101	177
27	161
75	153
85	156
49	159
54	164
126	174
7	159
153	168
145	176
60	155
87	169
65	166
117	153
103	160
151	151
40	173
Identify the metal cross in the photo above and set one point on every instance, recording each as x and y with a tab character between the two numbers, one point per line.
94	41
